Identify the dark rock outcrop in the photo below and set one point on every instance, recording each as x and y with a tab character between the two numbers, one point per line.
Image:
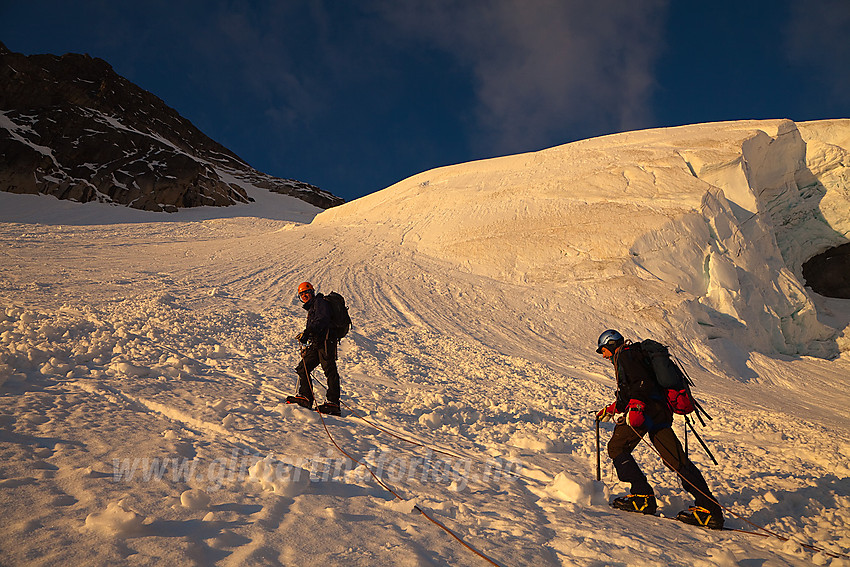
71	127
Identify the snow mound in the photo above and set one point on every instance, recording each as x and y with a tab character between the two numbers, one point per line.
403	506
532	442
195	499
572	489
280	477
295	412
130	370
433	419
117	520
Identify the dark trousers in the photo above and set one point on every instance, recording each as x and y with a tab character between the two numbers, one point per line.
313	355
625	439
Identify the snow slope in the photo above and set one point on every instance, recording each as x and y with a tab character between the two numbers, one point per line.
144	363
44	209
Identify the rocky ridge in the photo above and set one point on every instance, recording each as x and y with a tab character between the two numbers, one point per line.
71	127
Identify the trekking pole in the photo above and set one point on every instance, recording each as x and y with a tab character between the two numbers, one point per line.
701	442
307	374
700	409
598	462
297	379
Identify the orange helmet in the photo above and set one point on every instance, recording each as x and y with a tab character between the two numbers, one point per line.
306	286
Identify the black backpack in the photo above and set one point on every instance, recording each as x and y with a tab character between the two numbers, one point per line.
667	372
340	320
671	378
677	385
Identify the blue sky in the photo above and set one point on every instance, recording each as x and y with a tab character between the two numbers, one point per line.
353	96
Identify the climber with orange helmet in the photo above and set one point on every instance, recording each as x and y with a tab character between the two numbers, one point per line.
320	349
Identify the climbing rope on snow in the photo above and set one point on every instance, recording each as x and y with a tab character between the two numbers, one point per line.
434	448
395	494
768	533
349	408
389	489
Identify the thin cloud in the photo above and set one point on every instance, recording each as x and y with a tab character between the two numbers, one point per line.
543	72
545	68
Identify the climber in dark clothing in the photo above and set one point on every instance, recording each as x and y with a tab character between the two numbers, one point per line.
321	348
646	411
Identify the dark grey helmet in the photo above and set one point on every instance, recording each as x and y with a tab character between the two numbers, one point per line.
609	336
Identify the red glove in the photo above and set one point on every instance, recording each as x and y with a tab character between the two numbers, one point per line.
607	413
634	413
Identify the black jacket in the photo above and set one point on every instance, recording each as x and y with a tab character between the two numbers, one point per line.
318	319
636	379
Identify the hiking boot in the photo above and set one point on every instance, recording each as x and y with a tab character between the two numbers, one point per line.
300	400
699	516
641	503
330	408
